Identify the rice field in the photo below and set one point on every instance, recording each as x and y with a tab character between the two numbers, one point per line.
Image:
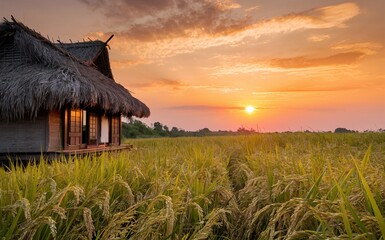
264	186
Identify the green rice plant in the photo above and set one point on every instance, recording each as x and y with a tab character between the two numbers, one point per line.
314	191
345	202
263	186
372	201
214	218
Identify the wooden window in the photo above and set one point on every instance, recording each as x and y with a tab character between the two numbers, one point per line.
93	128
115	130
75	127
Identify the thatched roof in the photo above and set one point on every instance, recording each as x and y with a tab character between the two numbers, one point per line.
36	75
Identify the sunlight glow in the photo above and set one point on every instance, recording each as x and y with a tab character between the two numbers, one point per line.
249	109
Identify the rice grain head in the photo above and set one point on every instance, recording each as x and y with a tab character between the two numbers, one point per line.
88	222
118	179
26	206
104	204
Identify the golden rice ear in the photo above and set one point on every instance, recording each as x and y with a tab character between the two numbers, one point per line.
88	223
183	189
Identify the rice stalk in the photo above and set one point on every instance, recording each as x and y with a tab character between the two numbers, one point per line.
215	218
346	220
373	204
28	229
177	185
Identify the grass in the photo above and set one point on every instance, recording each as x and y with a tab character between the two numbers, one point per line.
265	186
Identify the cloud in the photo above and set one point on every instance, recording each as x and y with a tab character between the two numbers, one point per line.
154	20
313	88
346	58
128	9
252	9
325	109
179	85
330	16
186	26
368	48
279	66
204	108
222	89
211	108
161	82
126	63
351	55
310	86
317	18
318	37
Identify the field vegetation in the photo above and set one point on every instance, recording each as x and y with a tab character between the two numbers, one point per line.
262	186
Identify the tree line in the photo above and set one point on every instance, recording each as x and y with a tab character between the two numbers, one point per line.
138	129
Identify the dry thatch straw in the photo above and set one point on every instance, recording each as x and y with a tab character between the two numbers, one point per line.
36	75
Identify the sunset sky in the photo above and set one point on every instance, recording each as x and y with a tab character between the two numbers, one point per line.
303	65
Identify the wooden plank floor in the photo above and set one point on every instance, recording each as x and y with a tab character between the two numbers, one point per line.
25	158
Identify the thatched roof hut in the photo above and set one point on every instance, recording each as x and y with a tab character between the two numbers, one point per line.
58	96
36	74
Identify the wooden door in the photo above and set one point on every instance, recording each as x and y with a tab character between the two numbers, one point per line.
74	127
93	129
115	130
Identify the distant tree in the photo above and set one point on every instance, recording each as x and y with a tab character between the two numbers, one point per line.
343	130
243	130
135	128
203	132
175	132
158	127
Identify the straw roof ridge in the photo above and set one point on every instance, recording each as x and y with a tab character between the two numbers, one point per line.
46	77
92	52
83	50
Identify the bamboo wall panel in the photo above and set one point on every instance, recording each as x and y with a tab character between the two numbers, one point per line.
24	135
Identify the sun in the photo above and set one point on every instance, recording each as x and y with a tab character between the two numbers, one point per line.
249	109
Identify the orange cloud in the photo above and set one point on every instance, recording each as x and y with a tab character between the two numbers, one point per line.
354	52
369	48
331	16
309	86
121	9
312	88
125	63
318	37
203	24
204	108
170	19
179	85
162	82
218	88
318	18
346	58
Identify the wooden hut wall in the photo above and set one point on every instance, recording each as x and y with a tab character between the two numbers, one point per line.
24	135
